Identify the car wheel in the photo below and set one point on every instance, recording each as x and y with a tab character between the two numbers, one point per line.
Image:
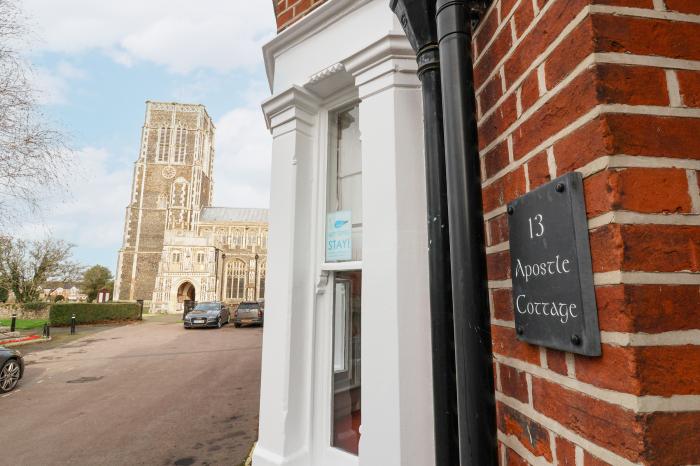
218	323
237	325
9	375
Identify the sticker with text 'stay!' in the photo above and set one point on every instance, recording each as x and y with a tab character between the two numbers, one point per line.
339	236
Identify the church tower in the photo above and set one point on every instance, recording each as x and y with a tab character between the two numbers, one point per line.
172	182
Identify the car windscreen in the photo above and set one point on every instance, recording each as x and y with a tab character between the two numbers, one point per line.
248	306
207	307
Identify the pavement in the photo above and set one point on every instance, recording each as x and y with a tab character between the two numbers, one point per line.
148	393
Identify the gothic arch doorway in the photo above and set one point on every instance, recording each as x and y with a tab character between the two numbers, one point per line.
185	292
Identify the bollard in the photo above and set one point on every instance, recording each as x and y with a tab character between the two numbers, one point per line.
140	303
47	331
72	325
13	324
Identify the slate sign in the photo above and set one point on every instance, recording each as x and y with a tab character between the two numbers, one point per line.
553	295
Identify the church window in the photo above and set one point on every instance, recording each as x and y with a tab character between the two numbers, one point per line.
252	238
163	147
235	280
180	145
177	257
200	257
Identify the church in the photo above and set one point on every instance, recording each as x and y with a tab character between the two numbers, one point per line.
177	246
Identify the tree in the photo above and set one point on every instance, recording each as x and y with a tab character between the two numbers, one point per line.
26	265
33	156
94	279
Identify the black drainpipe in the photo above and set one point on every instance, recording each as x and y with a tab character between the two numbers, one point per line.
474	359
418	20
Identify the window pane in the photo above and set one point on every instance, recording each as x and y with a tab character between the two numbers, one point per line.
346	413
344	190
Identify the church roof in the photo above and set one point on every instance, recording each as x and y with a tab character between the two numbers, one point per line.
232	214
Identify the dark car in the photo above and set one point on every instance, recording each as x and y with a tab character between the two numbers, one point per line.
249	313
11	369
213	314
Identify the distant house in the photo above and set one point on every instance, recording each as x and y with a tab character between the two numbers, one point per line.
70	291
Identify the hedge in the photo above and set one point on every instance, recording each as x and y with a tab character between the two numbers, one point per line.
86	313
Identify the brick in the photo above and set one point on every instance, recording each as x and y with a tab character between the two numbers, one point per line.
669	370
550	25
513	383
556	361
530	433
661	248
590	460
569	53
632	85
566	452
654	136
572	102
513	459
673	438
689	83
647	36
643	370
530	92
505	343
523	17
646	248
504	189
607	425
628	3
487	28
647	308
507	8
491	93
606	248
587	143
616	370
628	189
498	265
492	56
684	6
538	170
496	159
502	304
497	123
498	229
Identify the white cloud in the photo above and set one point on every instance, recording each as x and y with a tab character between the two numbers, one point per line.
179	34
243	155
92	213
53	86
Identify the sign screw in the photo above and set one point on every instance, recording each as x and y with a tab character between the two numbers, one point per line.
560	187
575	339
520	330
510	210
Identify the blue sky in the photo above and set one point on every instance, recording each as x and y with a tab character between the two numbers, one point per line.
96	63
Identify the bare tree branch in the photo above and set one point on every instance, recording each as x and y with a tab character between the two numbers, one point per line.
33	155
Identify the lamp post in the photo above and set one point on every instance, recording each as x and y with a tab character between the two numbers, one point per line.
255	296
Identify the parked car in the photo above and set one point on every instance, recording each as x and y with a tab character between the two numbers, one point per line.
214	314
249	313
11	369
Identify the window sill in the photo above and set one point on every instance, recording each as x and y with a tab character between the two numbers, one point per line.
350	265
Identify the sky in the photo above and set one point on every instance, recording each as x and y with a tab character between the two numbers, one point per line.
95	63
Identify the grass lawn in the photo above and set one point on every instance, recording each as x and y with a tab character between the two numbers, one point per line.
27	324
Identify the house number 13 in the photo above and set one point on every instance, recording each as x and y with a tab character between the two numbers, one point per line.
538	224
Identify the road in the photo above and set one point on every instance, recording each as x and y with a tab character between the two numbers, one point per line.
142	394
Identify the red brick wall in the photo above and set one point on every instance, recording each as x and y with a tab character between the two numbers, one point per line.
288	12
609	88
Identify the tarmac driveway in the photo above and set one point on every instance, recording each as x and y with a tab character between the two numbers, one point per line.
149	393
